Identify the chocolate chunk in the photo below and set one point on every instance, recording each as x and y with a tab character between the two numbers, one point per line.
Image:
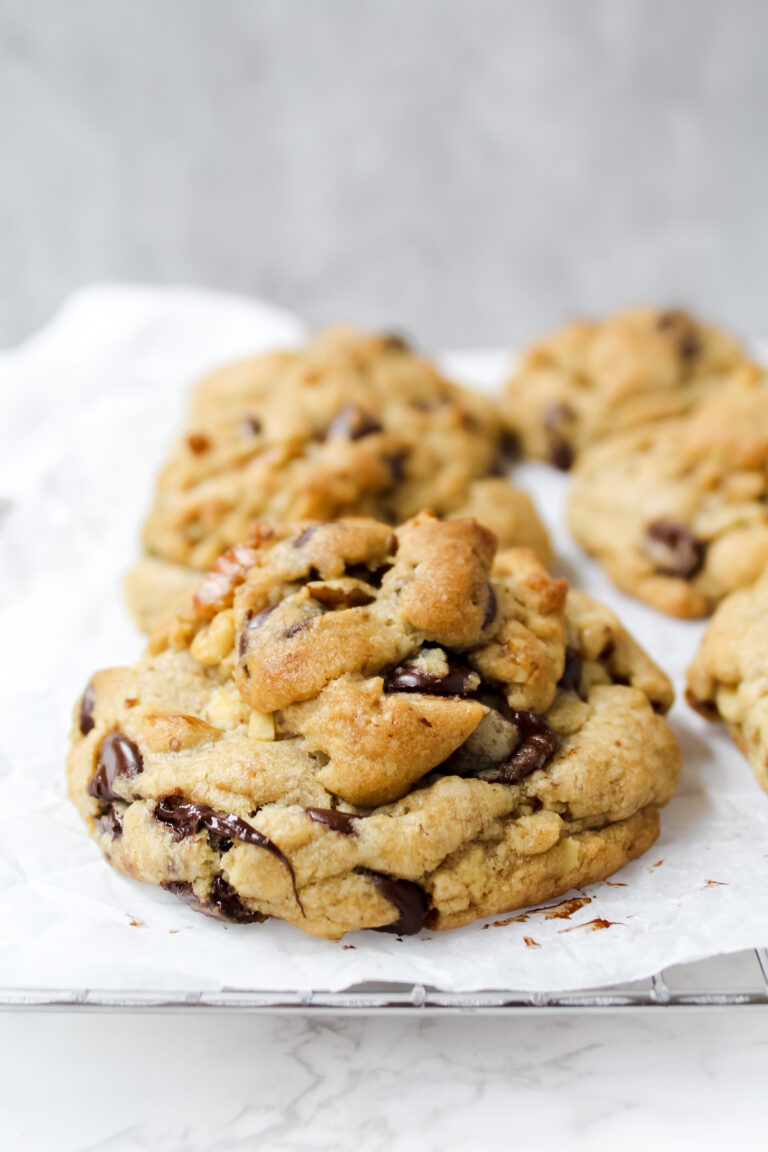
396	464
683	330
411	902
298	626
257	620
187	819
333	598
608	649
511	448
560	455
111	821
394	342
706	708
307	534
342	822
223	902
493	695
491	608
118	756
364	573
87	707
675	550
250	623
538	744
198	443
570	681
493	741
407	678
689	345
353	423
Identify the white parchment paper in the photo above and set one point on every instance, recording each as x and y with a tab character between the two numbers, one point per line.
86	410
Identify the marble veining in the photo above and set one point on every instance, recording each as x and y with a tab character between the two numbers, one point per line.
230	1083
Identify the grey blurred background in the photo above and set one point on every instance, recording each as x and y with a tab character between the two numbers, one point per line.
469	171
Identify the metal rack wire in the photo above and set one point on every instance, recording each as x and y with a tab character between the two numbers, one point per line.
736	981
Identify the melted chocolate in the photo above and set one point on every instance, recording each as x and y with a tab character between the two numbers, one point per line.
684	553
332	598
406	678
342	822
228	905
411	902
538	744
87	707
223	902
187	819
570	681
111	821
353	423
118	756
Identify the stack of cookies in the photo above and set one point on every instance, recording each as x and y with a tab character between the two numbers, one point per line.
365	701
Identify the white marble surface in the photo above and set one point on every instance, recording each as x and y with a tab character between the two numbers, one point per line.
187	1084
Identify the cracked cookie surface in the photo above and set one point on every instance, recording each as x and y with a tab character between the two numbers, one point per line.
678	512
589	380
728	677
351	726
351	424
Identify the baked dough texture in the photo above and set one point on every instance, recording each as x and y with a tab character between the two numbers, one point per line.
677	512
728	677
589	380
351	424
348	725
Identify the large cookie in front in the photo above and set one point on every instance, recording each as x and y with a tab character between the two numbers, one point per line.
590	380
728	677
350	726
678	512
351	424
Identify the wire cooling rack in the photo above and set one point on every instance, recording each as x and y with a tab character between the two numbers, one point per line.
736	981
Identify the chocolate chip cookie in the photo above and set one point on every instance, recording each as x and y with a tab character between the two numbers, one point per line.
352	424
590	380
351	726
677	512
728	678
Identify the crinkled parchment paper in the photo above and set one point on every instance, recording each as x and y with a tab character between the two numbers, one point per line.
86	411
